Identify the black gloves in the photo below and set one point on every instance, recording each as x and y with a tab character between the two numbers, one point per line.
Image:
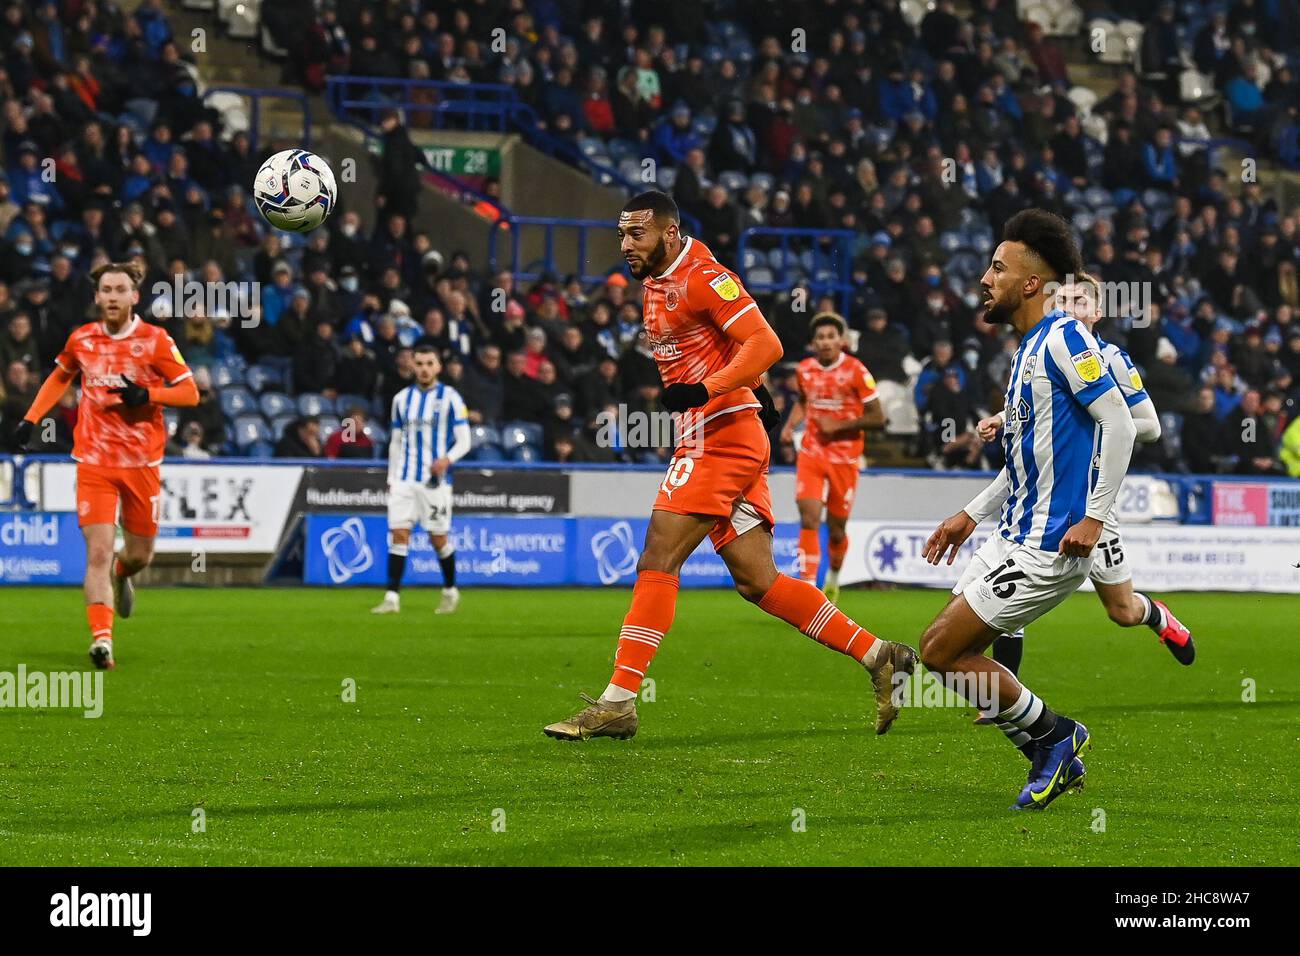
679	397
768	414
133	395
21	436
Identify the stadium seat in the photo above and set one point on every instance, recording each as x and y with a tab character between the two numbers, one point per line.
260	449
312	403
899	407
172	419
487	453
1194	86
223	376
480	435
735	182
759	277
278	425
764	181
236	400
275	404
665	177
1083	98
525	453
261	377
329	424
950	241
344	402
514	434
248	429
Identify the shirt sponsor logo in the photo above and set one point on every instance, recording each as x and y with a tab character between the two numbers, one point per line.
1135	378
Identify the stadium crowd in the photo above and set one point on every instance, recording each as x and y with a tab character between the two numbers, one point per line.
920	140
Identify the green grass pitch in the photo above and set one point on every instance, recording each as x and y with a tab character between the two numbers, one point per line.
231	701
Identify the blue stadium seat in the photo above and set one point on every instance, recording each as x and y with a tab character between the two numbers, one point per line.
735	182
665	177
223	376
525	453
171	418
765	180
329	424
260	449
278	425
752	259
249	429
261	377
236	400
312	403
514	434
951	241
759	277
276	404
486	453
480	435
344	402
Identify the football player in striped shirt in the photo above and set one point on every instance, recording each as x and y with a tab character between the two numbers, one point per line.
1067	443
429	433
1110	570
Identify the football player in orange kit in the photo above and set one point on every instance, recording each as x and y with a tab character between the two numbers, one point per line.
712	344
837	398
129	370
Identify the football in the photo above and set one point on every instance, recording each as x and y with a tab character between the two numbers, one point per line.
295	190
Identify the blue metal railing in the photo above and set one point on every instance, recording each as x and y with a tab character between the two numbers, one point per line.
255	95
837	260
531	271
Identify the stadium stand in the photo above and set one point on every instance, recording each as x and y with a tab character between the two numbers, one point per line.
901	135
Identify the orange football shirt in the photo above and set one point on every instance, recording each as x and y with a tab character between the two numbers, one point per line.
109	433
686	311
837	391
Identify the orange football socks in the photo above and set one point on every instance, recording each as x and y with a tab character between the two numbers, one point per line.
654	602
100	617
801	605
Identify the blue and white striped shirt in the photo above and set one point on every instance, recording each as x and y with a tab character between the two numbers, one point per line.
1050	439
1125	373
426	425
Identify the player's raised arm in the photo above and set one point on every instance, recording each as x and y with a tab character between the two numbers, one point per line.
1076	364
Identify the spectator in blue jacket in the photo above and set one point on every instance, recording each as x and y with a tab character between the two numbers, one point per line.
673	137
1160	162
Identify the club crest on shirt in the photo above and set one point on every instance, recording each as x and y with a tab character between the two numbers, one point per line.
726	287
137	349
1030	364
1088	364
670	299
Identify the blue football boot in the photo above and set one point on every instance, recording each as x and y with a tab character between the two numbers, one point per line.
1054	769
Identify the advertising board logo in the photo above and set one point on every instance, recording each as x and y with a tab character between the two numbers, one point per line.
615	553
347	552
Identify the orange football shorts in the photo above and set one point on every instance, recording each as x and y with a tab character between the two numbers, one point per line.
100	489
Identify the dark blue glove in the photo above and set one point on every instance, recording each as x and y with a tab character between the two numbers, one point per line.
133	395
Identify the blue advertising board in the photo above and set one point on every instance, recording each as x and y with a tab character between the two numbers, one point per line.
511	551
41	547
353	549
